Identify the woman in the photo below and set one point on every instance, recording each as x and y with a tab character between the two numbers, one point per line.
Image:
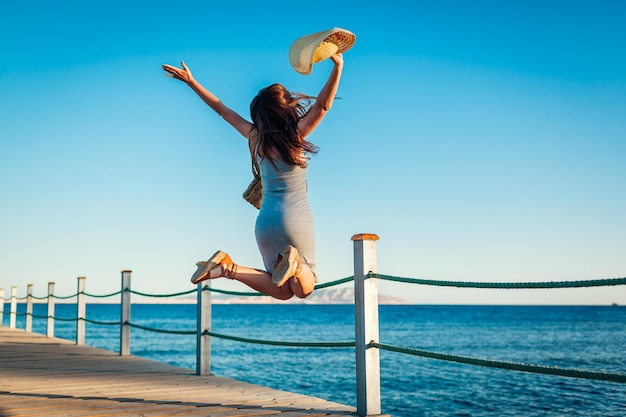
284	228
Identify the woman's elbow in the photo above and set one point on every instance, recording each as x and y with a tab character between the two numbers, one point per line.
324	107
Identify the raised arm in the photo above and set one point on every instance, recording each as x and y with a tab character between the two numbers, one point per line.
324	101
233	118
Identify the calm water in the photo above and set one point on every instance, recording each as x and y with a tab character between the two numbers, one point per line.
589	338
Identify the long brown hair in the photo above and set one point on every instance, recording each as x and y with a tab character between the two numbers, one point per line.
275	112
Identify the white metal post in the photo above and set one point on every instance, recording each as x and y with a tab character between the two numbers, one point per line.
50	320
29	308
13	315
203	341
366	325
81	312
125	314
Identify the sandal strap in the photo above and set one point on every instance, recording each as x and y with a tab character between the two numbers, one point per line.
229	270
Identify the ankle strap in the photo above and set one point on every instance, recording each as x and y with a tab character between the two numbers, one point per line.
229	270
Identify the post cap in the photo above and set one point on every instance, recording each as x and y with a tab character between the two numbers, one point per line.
365	236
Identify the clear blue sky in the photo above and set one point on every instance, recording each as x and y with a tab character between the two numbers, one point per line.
481	141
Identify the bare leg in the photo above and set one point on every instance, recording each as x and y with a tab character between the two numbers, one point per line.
261	281
303	284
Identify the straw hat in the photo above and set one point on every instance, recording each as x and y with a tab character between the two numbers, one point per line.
311	49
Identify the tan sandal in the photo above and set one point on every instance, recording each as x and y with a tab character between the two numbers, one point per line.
288	266
219	258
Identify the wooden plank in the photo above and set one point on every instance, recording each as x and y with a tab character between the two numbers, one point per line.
41	377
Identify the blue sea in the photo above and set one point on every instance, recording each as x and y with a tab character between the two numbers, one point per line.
588	338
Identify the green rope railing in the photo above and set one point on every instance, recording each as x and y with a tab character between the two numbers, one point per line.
247	340
515	366
281	343
35	316
239	293
39	298
102	323
151	329
334	283
36	298
574	373
58	297
432	282
103	295
504	285
66	319
143	294
548	370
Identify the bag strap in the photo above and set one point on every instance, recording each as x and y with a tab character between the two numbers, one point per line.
253	144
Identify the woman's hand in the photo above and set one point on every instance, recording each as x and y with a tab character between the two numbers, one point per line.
183	74
337	59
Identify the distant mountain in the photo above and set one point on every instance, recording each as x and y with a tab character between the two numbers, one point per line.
325	296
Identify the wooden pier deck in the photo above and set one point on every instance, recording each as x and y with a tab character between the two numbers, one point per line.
42	376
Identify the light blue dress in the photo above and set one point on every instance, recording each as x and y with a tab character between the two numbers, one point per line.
285	216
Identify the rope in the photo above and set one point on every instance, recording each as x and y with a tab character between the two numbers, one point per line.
102	296
65	319
573	373
459	284
58	297
514	366
150	329
281	343
41	317
64	298
241	339
505	285
243	294
39	298
336	282
160	295
102	323
24	298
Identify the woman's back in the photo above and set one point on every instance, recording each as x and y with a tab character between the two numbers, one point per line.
282	180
